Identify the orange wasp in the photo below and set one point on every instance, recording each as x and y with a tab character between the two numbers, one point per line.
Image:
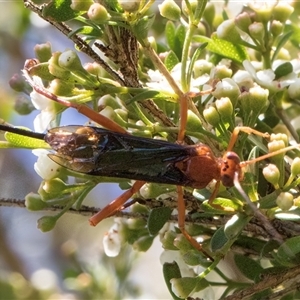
115	153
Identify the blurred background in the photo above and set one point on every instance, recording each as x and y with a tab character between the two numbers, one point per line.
68	262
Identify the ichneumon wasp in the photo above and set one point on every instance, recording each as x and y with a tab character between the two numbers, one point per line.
112	152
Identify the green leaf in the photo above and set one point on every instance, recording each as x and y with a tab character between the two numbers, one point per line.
143	243
19	141
195	57
218	240
288	252
222	206
142	27
60	11
235	225
170	34
224	48
284	69
157	219
88	31
142	96
183	287
171	60
171	270
179	40
283	40
269	201
248	267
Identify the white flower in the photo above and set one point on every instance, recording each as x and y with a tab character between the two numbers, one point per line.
243	79
159	82
112	241
47	113
266	78
45	167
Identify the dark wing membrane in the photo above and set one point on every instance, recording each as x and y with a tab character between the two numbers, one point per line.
96	151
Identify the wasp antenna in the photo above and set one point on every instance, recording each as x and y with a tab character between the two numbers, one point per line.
35	135
271	154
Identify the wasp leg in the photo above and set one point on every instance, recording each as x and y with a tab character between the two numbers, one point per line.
181	223
116	204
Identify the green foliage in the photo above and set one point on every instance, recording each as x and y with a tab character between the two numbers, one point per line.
228	70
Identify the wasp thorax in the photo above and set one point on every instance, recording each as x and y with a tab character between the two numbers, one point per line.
73	141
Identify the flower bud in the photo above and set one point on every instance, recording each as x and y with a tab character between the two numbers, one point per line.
243	21
272	174
46	223
276	28
280	137
259	98
225	108
109	113
282	11
170	10
129	6
285	201
108	100
257	31
34	202
19	84
81	5
43	52
23	105
69	60
263	10
55	69
295	167
221	72
60	88
202	67
297	201
122	113
153	43
98	13
193	122
93	68
227	88
254	102
228	31
211	116
274	146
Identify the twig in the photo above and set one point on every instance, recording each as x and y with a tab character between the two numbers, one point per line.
269	281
